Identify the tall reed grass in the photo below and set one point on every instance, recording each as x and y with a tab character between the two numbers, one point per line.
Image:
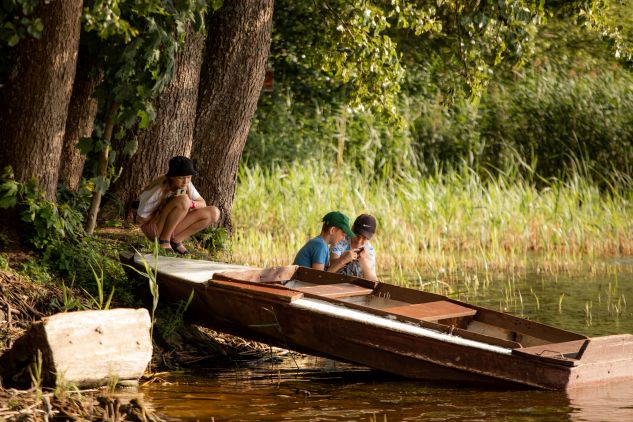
442	225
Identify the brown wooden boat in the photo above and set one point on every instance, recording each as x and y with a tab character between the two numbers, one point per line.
399	330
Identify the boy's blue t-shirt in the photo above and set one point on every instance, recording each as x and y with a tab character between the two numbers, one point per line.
315	251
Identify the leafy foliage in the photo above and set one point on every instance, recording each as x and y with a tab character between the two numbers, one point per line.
359	51
212	239
50	221
16	22
558	119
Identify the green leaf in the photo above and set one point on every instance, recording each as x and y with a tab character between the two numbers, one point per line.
216	4
144	123
101	184
131	147
8	202
14	40
85	145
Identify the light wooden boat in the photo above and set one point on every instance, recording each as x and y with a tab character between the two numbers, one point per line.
399	330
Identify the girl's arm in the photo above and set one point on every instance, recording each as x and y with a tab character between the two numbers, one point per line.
365	264
199	201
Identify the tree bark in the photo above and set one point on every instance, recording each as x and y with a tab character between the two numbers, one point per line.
80	122
34	101
171	133
231	79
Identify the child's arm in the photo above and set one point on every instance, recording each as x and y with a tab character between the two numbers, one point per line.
317	266
365	264
345	258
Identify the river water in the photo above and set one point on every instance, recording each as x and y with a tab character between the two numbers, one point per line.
295	387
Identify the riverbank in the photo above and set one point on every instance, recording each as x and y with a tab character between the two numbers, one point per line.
30	292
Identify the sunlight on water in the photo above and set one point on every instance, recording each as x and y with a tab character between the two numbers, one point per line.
324	391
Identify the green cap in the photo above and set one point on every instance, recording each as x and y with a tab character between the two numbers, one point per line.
340	220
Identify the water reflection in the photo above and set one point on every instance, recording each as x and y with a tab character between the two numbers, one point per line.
321	390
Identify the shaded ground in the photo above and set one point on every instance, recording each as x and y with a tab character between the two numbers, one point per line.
37	405
23	301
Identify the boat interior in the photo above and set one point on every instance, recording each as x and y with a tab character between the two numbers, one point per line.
529	338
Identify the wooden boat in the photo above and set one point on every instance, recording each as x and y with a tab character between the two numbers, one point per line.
399	330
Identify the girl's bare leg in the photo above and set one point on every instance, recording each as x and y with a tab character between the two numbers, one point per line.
174	212
196	220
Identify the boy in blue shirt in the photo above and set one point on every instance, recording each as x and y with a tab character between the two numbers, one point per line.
316	253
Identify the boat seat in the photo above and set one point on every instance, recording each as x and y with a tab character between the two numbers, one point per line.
337	290
432	311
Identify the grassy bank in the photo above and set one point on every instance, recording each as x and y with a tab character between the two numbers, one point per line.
450	222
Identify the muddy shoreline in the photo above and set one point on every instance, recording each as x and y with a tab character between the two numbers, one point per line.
23	302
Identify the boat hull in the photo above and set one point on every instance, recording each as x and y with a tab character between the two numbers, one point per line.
267	312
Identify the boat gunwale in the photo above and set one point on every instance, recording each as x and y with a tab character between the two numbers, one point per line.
444	328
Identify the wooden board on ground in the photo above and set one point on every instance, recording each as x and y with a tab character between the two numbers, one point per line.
194	270
85	349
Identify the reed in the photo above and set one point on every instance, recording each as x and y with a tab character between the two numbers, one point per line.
440	226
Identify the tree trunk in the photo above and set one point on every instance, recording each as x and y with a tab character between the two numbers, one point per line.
231	79
171	133
34	100
80	122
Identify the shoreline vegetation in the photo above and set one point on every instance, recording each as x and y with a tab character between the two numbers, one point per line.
450	223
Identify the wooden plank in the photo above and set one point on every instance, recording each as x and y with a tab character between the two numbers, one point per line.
194	270
490	330
545	334
338	290
607	348
406	294
432	311
264	275
324	277
269	291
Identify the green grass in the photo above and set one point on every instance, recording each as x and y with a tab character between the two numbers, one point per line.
440	225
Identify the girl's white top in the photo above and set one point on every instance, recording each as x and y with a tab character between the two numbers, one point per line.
150	199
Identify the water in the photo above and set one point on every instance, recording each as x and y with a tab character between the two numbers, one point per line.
304	388
318	392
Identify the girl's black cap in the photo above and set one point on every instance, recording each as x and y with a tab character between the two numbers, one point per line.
180	166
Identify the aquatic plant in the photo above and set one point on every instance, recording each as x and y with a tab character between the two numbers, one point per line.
450	223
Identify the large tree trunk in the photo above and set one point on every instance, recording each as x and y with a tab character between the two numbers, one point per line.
171	133
34	101
80	122
231	79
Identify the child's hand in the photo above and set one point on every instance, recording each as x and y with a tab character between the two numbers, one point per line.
348	256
